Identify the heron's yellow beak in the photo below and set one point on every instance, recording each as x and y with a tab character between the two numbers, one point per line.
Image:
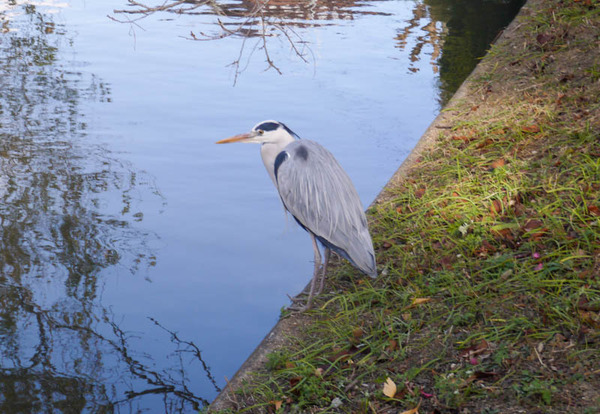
236	138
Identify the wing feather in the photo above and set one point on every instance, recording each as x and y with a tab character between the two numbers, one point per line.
319	194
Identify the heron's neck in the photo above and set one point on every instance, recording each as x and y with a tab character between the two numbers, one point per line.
270	150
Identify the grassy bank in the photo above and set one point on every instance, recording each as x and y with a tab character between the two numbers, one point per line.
489	299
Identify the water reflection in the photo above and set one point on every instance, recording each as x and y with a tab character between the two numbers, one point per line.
312	12
457	32
66	215
451	34
264	20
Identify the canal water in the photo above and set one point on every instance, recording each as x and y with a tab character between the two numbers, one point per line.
140	264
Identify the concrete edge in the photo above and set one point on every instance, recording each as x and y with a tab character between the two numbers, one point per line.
279	335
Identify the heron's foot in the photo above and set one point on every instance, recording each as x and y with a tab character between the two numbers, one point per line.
297	307
297	298
300	304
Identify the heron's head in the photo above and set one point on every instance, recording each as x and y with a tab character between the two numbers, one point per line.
264	132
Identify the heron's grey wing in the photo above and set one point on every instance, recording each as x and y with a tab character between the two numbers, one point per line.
319	194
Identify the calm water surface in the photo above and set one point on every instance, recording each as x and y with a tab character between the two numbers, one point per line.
140	263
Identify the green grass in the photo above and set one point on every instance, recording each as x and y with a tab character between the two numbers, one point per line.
489	297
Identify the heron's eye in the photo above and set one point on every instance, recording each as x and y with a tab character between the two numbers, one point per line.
260	132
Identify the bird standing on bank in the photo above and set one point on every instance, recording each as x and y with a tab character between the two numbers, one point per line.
318	193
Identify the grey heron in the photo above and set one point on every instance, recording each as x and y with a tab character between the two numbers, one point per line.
318	193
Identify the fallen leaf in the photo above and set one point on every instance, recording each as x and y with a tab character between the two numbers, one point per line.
544	38
495	207
531	129
584	304
498	163
389	388
591	318
504	231
482	349
532	224
481	375
566	77
595	210
413	410
419	193
393	345
419	301
357	333
387	244
485	143
277	404
319	372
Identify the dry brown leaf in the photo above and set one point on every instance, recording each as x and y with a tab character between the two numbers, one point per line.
595	210
420	192
389	388
277	404
500	162
419	301
495	207
357	333
531	129
387	244
504	234
584	304
485	143
532	224
591	318
412	410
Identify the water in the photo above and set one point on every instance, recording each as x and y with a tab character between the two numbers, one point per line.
141	263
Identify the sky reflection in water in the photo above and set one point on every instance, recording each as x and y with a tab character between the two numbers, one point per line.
135	253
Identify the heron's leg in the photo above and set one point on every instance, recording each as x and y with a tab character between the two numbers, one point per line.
316	271
322	282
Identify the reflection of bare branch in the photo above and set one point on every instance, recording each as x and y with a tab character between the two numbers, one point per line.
160	382
285	30
52	325
264	42
254	23
192	348
171	7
